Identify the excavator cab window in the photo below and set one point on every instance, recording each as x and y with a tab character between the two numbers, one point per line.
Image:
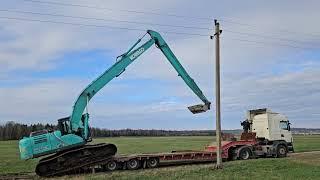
63	125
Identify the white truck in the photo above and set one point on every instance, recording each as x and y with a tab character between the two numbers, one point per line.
271	131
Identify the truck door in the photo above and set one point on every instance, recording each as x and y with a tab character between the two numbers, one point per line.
285	133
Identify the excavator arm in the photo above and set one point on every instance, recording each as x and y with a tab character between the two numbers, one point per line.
163	46
78	120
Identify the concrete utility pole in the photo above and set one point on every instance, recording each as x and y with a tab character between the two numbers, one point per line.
218	109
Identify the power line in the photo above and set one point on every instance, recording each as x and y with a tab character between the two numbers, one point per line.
271	43
145	23
265	36
122	10
143	30
279	30
102	19
99	26
162	14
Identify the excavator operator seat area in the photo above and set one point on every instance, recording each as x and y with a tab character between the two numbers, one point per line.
63	125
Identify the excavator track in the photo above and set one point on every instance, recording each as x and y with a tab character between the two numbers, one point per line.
75	160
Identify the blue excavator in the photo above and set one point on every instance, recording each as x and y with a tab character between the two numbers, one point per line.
66	149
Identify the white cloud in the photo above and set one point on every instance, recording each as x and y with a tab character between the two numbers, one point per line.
38	101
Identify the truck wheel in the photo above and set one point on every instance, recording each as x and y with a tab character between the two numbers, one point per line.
232	154
111	166
281	151
245	154
133	164
152	162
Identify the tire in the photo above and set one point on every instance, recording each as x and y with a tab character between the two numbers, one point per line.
232	154
281	151
133	164
111	166
245	154
152	162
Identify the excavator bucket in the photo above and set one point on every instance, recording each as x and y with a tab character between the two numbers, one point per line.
199	108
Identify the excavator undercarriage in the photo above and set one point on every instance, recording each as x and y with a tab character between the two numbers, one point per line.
75	160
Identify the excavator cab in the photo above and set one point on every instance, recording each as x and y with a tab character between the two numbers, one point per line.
63	125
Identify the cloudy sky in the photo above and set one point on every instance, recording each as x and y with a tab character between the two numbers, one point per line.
269	53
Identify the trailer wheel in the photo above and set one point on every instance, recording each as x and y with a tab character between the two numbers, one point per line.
152	162
245	154
133	164
111	166
281	151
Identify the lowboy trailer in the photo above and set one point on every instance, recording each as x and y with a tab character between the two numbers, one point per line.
267	134
136	161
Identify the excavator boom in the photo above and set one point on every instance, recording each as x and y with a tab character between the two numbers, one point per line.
114	71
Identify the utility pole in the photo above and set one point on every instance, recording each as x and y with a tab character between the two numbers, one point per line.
218	109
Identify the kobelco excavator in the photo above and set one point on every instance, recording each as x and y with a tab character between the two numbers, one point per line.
67	146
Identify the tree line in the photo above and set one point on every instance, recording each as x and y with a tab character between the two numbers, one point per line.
15	131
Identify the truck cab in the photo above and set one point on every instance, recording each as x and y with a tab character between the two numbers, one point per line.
270	127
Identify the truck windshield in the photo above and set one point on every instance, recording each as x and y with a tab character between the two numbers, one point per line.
284	125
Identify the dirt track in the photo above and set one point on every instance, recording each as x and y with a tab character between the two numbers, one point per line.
301	153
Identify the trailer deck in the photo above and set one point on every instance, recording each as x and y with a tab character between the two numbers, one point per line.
152	160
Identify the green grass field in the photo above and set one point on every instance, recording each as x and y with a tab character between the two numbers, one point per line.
288	168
